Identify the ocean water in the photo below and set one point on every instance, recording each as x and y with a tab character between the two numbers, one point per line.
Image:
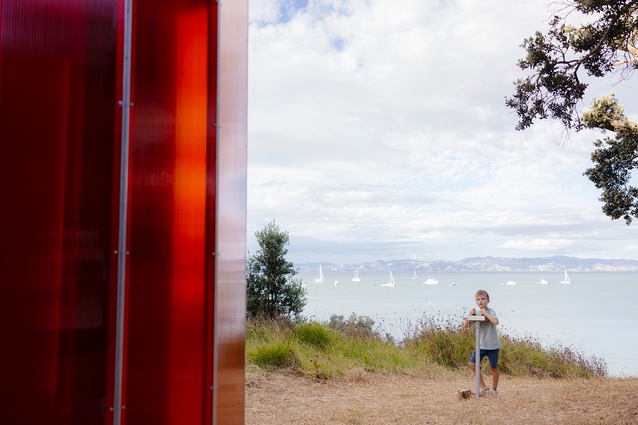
596	314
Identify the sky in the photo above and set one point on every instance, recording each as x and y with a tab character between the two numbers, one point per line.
377	130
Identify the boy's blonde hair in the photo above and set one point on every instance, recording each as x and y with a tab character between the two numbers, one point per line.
482	292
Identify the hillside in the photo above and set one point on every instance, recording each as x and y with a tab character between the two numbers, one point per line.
487	264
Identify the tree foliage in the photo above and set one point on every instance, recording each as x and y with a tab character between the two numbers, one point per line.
614	158
558	59
272	289
558	62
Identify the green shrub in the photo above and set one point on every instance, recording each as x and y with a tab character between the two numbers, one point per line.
527	357
443	342
274	355
313	334
354	327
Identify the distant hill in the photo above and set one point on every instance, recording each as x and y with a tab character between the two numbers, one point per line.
488	264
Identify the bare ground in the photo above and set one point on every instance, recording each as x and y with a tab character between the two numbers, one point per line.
431	398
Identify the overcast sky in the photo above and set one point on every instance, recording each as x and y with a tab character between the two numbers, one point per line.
377	130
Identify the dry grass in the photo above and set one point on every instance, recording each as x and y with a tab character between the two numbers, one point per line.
360	398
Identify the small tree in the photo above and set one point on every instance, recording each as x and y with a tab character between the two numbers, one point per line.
272	289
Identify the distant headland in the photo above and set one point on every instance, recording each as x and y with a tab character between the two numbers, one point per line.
487	264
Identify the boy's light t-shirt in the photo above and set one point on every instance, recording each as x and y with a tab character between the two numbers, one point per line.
489	336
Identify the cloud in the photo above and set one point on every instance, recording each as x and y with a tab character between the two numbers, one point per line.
378	129
538	244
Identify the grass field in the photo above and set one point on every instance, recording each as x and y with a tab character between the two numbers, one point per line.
430	397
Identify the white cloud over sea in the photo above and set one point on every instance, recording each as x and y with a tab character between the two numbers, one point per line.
378	130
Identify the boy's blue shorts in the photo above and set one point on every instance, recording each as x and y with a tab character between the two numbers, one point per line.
492	355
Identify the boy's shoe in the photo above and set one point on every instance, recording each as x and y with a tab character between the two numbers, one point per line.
488	391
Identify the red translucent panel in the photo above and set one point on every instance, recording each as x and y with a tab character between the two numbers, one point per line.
165	361
57	95
60	83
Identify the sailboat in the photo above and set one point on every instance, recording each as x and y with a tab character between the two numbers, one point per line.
356	277
431	281
320	278
566	280
414	275
392	282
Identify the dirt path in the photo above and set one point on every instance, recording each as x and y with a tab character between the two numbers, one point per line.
376	399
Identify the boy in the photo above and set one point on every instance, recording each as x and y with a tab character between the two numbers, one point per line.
489	342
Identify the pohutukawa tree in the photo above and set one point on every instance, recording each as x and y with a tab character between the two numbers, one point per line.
558	61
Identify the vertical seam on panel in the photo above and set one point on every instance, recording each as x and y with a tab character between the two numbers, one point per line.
125	103
218	4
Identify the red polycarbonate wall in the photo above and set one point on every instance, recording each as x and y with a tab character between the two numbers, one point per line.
60	146
168	214
57	133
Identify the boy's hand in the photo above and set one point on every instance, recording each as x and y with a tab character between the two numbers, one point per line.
472	312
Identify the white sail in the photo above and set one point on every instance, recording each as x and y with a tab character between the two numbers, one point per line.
392	282
320	278
356	277
566	280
